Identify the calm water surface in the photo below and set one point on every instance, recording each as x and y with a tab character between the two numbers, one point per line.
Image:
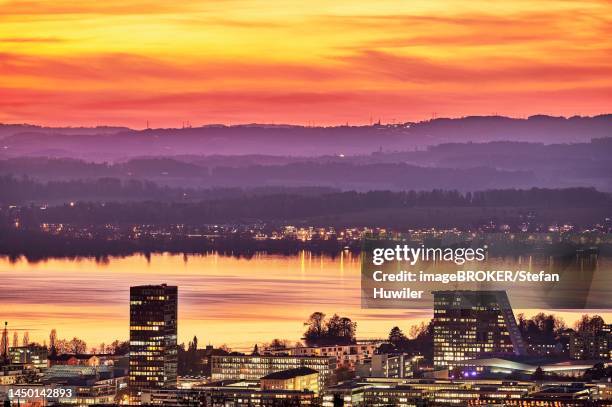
222	300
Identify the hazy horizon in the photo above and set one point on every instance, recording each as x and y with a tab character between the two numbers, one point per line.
186	124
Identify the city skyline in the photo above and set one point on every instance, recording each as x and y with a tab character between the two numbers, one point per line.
247	61
475	338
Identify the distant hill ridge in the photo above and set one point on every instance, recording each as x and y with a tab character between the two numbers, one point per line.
110	143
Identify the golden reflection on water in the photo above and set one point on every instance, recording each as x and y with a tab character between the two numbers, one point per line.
222	300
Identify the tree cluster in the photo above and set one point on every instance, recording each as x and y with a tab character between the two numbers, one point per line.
419	341
541	327
322	331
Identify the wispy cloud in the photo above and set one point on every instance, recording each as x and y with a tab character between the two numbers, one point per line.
31	39
250	60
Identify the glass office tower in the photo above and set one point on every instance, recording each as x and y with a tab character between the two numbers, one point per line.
153	347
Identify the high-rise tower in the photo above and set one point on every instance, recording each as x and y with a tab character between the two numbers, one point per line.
472	324
153	347
4	345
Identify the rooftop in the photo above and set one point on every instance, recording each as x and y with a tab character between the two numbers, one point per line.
290	373
68	356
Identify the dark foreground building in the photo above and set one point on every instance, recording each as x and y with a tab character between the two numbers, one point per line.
229	394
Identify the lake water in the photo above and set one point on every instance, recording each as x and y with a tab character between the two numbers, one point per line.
222	300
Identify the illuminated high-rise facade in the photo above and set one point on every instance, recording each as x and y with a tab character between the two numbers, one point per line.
473	324
153	348
4	346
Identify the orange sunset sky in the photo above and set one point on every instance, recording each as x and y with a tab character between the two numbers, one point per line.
317	62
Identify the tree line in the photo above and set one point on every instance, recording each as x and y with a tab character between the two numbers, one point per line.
239	205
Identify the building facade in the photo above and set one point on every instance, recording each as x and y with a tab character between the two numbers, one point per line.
590	345
473	324
254	367
300	379
348	356
34	355
394	365
239	395
153	339
384	392
89	384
